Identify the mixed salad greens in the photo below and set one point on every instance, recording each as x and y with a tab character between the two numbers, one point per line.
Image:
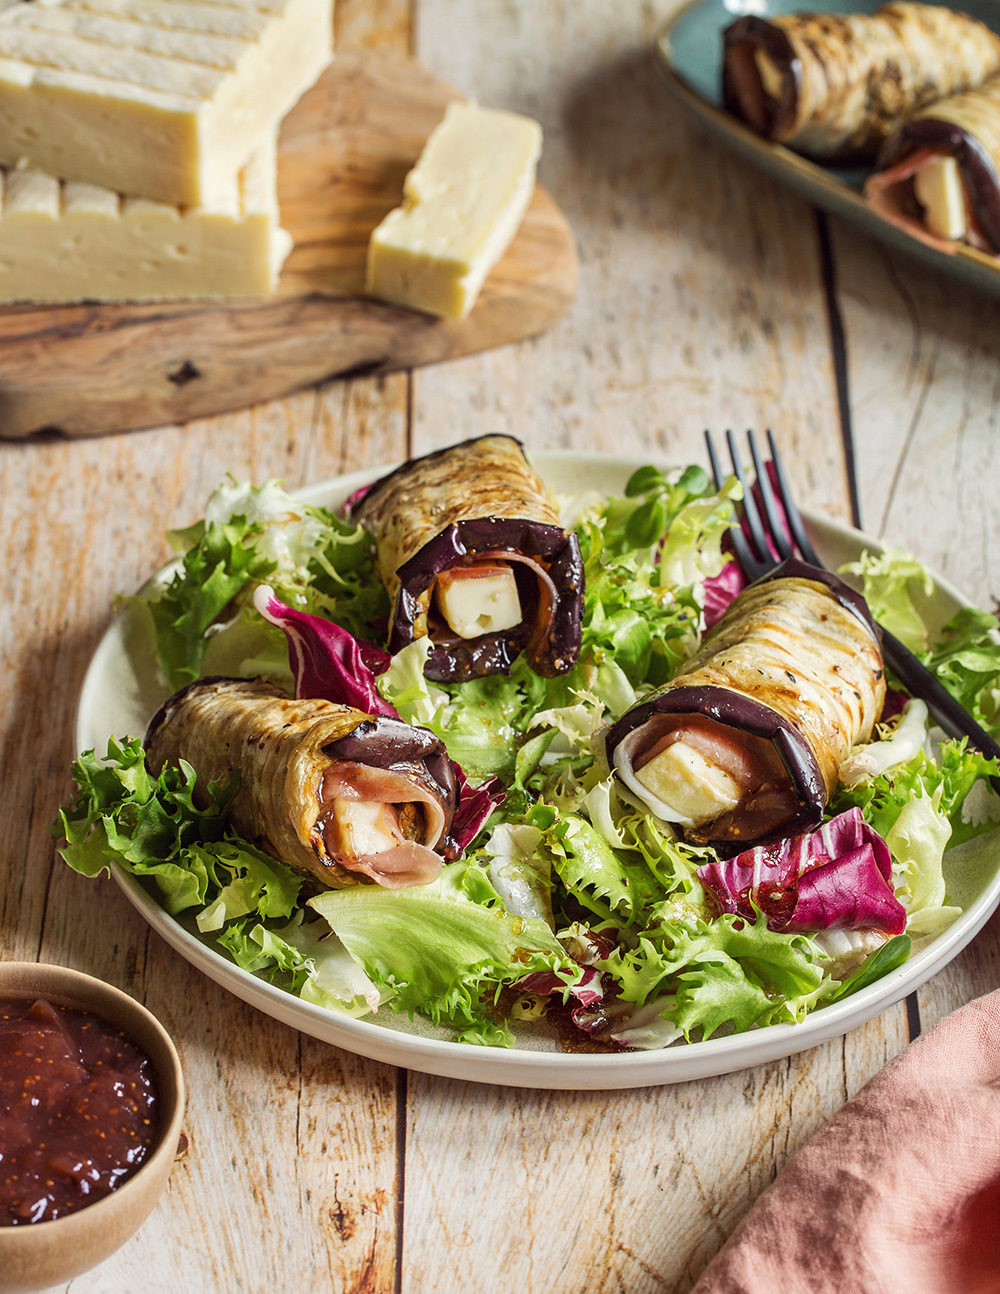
573	905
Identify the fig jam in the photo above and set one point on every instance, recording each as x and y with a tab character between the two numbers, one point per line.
78	1110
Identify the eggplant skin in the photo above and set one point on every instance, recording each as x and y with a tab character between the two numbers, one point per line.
743	713
280	748
797	660
847	81
440	511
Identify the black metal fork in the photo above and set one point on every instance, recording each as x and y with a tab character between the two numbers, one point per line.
788	537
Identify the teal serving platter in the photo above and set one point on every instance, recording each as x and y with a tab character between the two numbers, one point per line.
690	54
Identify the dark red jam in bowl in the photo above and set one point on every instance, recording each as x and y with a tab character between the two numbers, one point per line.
78	1110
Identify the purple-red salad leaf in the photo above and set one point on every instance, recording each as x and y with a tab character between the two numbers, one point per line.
475	804
838	877
587	991
326	661
329	663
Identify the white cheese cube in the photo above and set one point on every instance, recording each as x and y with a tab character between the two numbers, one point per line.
478	600
463	203
686	781
939	190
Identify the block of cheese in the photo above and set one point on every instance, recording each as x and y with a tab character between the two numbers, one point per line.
462	205
64	241
160	99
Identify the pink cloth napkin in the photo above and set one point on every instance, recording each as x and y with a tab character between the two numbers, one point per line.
900	1192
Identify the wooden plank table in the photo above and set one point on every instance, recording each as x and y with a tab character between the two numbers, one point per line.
709	296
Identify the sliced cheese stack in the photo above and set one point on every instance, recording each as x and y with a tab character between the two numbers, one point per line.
159	99
462	205
65	241
137	144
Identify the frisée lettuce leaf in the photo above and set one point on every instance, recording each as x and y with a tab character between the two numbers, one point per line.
314	560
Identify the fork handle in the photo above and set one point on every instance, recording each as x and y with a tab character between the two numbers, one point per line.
917	679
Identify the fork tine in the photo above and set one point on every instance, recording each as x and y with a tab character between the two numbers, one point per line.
791	511
713	458
745	558
779	529
758	535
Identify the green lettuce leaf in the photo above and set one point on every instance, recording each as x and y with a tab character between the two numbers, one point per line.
726	973
444	949
966	659
314	560
151	827
889	580
948	779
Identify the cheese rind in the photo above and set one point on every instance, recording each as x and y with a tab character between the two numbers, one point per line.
63	241
463	203
160	99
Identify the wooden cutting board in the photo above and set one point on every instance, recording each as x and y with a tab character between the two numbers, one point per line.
86	369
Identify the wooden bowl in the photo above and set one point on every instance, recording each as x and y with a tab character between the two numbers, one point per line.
41	1254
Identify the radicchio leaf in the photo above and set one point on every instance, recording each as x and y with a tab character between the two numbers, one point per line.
721	589
475	804
587	991
838	877
327	662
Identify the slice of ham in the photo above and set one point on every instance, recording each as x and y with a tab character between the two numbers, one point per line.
890	193
408	862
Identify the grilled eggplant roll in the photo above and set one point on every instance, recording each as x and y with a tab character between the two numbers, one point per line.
747	744
473	555
836	86
338	795
939	175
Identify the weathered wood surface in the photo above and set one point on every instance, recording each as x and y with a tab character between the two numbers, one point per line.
703	301
922	363
343	153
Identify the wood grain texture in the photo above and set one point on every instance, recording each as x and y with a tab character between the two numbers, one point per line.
701	299
701	302
344	151
922	357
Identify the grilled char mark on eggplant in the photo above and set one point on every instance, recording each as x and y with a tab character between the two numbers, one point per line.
473	556
748	742
338	795
939	175
835	86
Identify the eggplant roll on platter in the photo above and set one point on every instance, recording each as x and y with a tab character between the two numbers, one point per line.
340	796
836	86
747	744
473	557
939	175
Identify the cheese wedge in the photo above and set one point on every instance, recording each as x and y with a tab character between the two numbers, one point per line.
462	205
63	241
160	99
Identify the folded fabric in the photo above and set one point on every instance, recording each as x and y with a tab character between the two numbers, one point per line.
901	1191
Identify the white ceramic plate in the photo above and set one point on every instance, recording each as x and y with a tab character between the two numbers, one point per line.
123	687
